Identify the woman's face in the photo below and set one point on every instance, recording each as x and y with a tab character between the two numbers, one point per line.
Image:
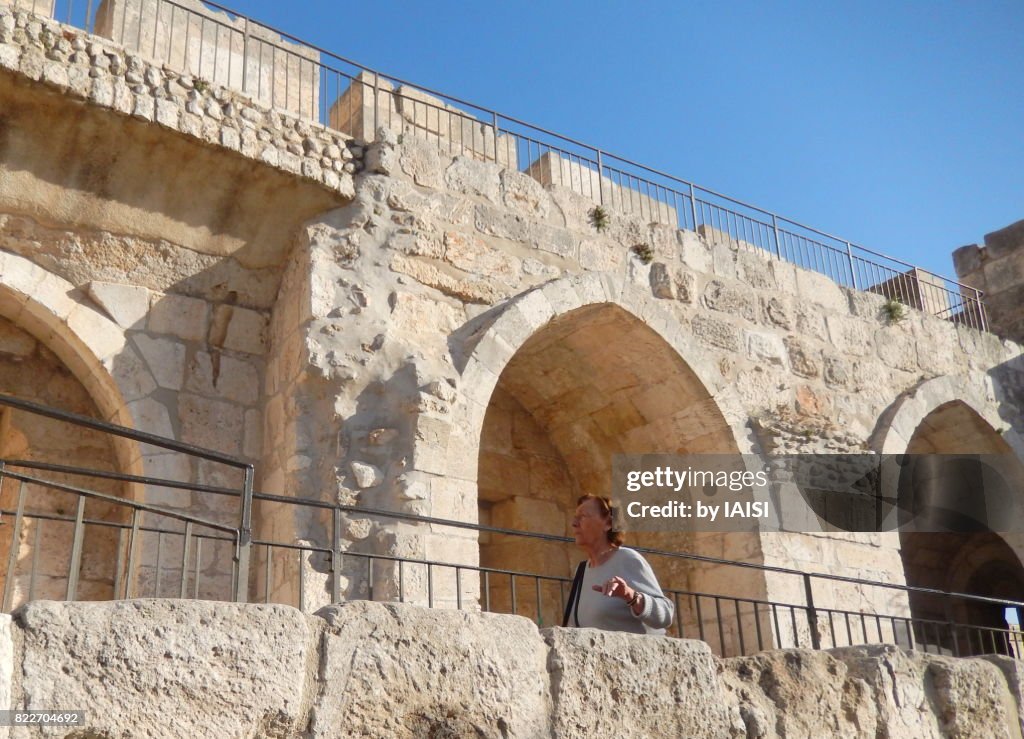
590	525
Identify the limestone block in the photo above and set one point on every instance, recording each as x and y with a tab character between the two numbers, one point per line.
755	269
896	348
366	475
131	374
765	348
817	288
472	254
731	299
600	689
410	672
422	162
716	332
851	335
601	255
212	424
523	193
166	359
247	331
151	416
472	177
102	337
776	312
126	304
179	316
803	358
168	668
466	289
221	376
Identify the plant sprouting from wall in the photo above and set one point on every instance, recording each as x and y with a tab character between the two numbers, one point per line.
599	218
643	253
894	311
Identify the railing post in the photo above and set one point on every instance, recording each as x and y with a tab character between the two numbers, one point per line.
376	105
495	124
693	207
982	318
812	613
336	557
244	545
600	178
245	56
775	231
853	272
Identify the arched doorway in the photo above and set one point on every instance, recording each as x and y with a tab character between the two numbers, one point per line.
38	566
947	494
589	383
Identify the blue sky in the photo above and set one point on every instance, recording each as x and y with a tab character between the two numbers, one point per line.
896	125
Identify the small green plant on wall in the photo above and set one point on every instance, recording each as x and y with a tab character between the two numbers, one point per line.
894	311
643	253
599	218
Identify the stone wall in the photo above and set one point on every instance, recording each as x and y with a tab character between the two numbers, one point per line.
474	285
363	322
188	668
997	269
194	39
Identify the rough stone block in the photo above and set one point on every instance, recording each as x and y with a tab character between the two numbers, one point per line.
166	359
1005	240
599	688
473	177
717	333
126	304
212	424
169	668
732	299
179	316
247	331
411	672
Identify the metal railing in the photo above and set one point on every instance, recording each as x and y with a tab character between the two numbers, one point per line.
281	71
67	541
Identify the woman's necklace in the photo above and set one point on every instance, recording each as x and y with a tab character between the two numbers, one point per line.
602	557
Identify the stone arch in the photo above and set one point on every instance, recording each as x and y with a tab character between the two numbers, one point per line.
589	367
84	350
952	416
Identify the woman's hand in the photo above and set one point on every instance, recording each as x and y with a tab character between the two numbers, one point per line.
619	588
616	588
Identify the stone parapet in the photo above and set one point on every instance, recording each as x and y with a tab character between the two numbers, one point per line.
174	668
997	269
105	74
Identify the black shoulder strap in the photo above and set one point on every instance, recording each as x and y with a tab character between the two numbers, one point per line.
574	594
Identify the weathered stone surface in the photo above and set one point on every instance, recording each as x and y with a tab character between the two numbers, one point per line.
168	668
7	676
126	304
404	672
804	360
731	299
715	332
600	689
366	475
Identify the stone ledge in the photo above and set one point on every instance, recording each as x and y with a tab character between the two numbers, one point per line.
180	668
96	70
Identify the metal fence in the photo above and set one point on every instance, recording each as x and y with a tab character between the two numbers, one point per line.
67	541
224	47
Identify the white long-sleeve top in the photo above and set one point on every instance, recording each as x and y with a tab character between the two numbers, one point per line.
597	610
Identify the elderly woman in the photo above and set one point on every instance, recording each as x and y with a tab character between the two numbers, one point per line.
614	587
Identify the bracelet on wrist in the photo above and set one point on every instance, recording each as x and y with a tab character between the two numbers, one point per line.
634	599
